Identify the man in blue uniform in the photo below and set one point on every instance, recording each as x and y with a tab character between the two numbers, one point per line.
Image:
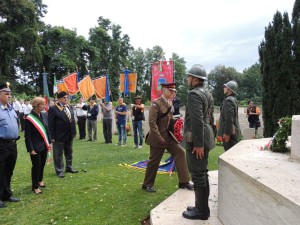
8	148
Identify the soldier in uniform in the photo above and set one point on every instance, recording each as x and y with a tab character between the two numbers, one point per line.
198	140
9	134
159	138
229	127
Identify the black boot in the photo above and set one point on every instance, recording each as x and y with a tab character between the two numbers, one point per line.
201	211
192	208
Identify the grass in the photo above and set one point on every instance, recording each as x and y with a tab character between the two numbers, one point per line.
106	194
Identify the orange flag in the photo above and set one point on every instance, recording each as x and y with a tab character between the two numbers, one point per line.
86	87
71	83
132	78
99	86
61	86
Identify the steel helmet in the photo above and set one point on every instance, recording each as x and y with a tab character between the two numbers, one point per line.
197	70
232	85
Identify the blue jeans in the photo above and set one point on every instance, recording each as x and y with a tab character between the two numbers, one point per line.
137	128
122	133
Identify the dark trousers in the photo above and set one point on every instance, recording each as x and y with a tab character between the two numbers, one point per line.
232	141
37	170
81	122
156	153
58	149
107	130
197	167
8	159
138	132
22	120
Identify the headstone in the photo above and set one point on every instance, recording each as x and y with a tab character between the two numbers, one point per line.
248	133
295	143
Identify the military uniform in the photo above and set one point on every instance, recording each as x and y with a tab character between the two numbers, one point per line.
198	133
229	122
159	138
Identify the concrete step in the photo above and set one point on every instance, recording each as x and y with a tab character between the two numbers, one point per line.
169	212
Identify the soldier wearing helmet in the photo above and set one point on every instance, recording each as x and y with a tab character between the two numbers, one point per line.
229	128
198	140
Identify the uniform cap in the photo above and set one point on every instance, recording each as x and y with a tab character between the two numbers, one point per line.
5	87
170	86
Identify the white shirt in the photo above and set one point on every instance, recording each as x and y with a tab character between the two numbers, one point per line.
79	110
22	108
16	105
27	109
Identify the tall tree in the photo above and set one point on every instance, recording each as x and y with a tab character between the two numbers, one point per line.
295	79
251	84
180	77
111	50
276	69
218	77
19	41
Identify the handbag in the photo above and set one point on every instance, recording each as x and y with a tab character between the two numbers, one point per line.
258	123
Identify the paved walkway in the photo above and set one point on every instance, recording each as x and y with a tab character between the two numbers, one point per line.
169	212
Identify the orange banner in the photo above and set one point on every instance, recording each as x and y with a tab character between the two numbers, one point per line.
71	83
61	86
99	86
132	77
86	87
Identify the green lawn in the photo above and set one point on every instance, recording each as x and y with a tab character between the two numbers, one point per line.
106	194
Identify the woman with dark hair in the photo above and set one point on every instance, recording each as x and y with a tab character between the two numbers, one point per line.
253	113
37	140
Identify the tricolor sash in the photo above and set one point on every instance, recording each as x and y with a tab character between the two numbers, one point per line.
40	127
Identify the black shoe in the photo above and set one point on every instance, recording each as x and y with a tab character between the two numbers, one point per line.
187	185
195	215
148	188
12	199
89	140
192	208
37	191
2	204
71	171
60	175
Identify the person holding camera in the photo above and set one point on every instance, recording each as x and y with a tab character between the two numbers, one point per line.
253	113
137	114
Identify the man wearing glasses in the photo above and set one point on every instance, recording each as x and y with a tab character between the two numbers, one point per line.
62	131
8	147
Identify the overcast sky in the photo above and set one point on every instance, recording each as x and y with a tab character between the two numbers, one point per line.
226	32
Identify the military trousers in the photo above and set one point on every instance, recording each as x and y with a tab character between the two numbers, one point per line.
197	167
156	154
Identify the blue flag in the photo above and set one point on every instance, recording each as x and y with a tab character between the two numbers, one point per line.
107	89
126	82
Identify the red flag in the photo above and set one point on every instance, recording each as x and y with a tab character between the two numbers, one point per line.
71	83
162	72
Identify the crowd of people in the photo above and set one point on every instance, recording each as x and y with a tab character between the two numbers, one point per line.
57	129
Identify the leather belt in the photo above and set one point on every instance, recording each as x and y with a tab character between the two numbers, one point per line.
8	141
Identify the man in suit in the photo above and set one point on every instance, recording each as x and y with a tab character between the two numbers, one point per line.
62	131
229	127
159	138
198	140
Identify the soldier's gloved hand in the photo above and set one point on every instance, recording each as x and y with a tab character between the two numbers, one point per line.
162	142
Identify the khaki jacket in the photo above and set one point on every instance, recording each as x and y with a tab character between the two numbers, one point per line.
159	126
